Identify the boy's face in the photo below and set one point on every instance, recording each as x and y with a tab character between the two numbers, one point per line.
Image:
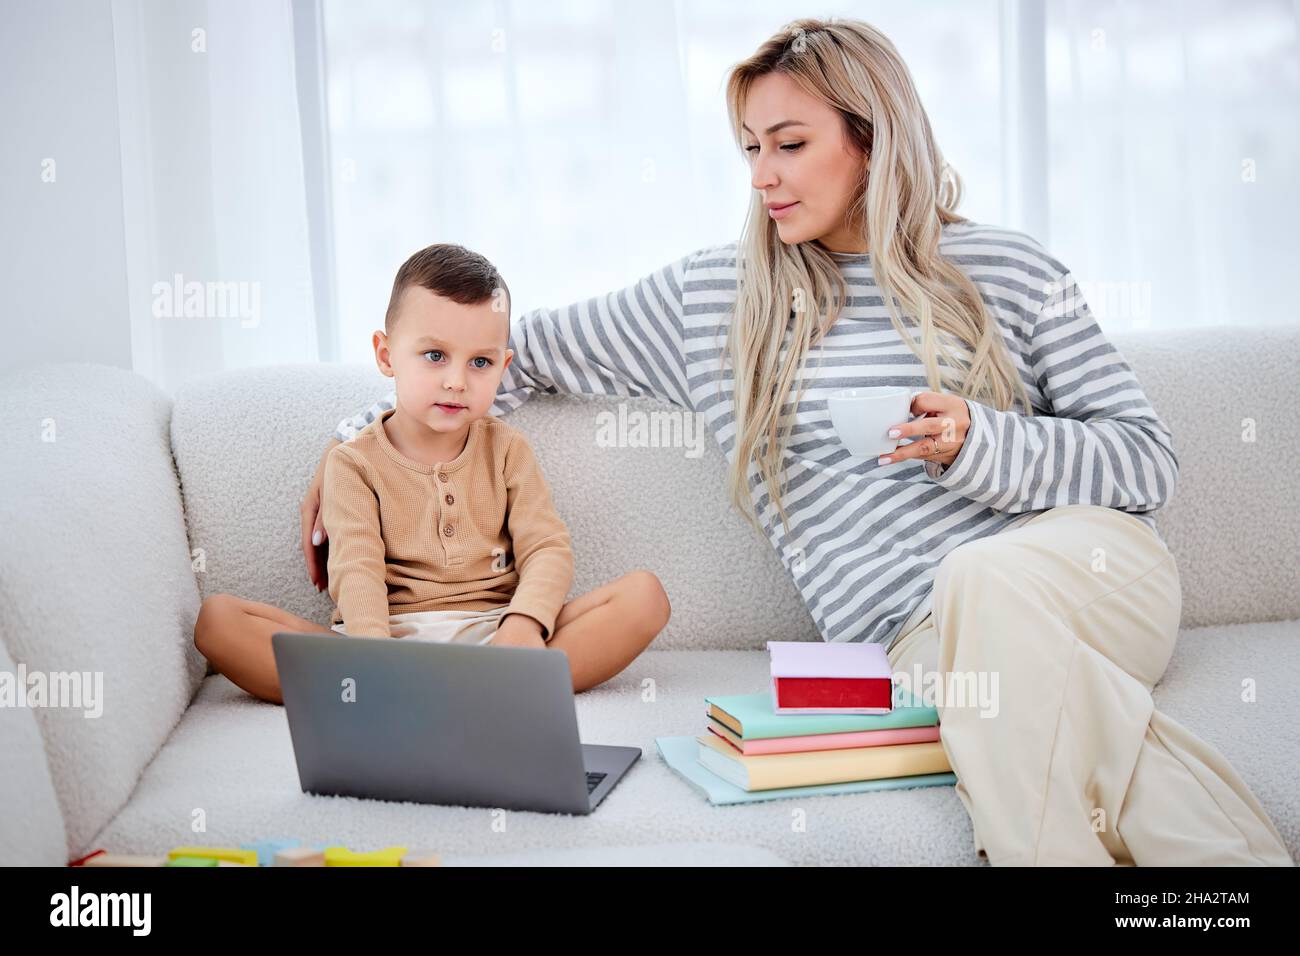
447	358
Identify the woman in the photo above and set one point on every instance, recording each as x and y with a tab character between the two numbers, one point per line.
1019	543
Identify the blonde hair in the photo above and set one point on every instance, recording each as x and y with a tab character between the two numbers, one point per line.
909	193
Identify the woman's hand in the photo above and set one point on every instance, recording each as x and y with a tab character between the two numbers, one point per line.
936	437
315	549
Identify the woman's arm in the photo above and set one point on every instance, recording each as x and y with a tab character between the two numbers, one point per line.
627	342
1103	444
349	427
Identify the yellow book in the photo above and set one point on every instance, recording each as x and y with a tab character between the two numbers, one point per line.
809	768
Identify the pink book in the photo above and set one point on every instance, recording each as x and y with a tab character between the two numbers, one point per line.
811	677
861	738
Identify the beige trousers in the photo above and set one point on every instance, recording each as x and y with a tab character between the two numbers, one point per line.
1076	612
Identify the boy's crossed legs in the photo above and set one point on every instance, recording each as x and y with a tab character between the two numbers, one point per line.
601	631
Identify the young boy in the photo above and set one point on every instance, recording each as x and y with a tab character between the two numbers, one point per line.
440	524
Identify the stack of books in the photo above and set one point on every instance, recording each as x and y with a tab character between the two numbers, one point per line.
751	747
822	726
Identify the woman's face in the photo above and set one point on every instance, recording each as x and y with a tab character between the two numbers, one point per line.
808	164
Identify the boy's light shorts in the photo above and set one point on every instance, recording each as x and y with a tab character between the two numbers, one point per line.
446	627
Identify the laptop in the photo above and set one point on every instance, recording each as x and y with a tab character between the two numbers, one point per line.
429	722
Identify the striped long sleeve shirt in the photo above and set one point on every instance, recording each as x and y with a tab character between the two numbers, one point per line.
865	539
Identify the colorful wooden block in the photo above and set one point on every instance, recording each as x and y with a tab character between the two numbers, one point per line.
229	853
267	849
193	861
342	856
300	856
421	858
122	859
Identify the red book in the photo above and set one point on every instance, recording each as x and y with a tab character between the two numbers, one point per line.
841	678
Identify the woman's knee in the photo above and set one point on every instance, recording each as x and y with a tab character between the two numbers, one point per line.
973	559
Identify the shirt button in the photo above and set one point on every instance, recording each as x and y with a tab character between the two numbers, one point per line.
442	476
450	500
447	531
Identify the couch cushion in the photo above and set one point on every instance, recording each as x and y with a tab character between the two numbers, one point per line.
232	756
1235	687
31	826
247	444
95	573
657	854
1233	523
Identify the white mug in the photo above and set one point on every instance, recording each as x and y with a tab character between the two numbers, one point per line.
863	416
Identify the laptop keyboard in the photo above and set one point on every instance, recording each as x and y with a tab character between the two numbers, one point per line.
593	780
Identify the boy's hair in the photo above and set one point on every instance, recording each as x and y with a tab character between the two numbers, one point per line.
451	271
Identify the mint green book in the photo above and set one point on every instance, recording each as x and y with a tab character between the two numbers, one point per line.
752	717
682	755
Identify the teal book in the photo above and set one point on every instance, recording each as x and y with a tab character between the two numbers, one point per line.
752	717
681	754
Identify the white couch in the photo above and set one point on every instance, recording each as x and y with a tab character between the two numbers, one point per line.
115	529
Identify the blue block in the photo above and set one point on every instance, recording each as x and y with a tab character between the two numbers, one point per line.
267	849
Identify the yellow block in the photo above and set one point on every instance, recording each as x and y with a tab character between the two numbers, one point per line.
227	853
342	856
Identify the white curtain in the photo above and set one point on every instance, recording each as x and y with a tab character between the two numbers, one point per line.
1175	158
579	145
1151	146
215	202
